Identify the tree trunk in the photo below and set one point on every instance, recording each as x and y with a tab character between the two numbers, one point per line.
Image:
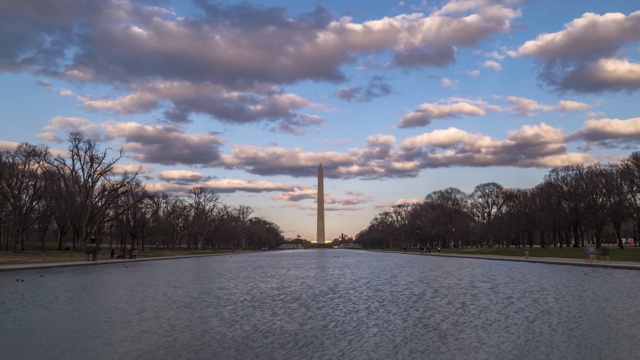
576	236
618	235
59	240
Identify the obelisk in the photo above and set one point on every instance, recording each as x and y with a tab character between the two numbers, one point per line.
320	234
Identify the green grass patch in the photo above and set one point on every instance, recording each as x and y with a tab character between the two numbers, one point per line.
629	253
615	254
36	257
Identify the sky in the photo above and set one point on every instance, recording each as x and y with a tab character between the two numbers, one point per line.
394	99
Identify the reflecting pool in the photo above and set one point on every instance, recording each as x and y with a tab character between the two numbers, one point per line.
320	304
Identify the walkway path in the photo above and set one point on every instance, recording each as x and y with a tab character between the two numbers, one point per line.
33	266
544	260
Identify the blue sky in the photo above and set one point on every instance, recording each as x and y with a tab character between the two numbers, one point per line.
395	99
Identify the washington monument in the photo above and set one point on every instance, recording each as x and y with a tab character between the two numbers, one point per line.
320	234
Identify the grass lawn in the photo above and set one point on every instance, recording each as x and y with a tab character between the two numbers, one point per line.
629	253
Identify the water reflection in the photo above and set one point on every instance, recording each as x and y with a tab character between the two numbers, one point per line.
320	304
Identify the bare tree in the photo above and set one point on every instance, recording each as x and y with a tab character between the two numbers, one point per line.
204	204
518	218
261	233
62	206
43	215
377	234
176	215
487	202
243	212
616	199
400	218
88	180
445	217
568	185
22	187
135	211
553	219
595	202
4	223
630	172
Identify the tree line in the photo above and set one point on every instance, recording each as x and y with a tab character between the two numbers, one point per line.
79	199
574	205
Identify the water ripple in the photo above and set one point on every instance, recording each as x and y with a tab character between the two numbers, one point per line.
321	304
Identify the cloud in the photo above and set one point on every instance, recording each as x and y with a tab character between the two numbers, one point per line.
498	55
219	60
530	146
234	185
67	125
136	103
388	206
446	82
538	145
609	132
605	74
228	44
46	85
559	160
430	111
352	199
473	73
50	136
279	161
377	160
8	145
591	36
166	144
180	184
379	147
350	202
382	156
464	6
586	55
572	105
491	64
445	138
535	141
525	107
298	194
49	87
260	103
375	88
132	168
181	176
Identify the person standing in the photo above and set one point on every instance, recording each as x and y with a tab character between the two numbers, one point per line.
589	254
604	253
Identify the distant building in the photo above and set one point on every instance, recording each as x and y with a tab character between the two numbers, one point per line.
290	246
351	246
